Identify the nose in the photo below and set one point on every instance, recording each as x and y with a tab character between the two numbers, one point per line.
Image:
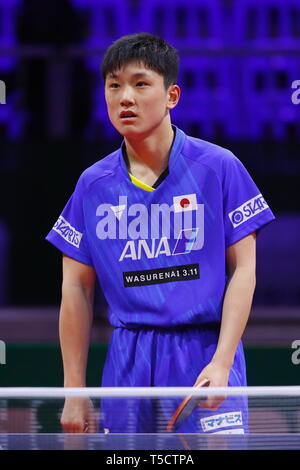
127	97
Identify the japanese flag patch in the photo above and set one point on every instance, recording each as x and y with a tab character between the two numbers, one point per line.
186	202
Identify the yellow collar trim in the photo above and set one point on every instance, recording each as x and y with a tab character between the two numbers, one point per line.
140	184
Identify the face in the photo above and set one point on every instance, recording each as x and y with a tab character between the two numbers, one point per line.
137	100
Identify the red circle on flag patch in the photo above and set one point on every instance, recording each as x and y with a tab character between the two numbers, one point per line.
184	202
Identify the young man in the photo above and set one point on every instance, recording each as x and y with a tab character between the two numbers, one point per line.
167	224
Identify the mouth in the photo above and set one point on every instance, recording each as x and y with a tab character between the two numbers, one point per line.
127	115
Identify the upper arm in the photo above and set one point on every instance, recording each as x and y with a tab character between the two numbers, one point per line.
78	274
242	254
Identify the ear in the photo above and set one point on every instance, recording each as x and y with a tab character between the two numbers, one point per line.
173	96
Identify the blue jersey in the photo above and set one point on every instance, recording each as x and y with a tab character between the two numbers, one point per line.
160	254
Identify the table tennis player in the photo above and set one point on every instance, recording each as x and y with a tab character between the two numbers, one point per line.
167	225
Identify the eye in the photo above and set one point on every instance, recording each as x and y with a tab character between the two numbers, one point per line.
114	85
139	84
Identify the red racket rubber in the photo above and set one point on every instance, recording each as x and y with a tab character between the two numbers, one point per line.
186	407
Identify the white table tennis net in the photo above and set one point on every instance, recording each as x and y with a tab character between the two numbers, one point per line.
30	418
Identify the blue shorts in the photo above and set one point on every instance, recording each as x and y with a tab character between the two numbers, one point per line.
153	357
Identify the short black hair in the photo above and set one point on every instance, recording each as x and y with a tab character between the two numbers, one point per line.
155	53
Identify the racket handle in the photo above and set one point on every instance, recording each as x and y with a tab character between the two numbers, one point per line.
202	383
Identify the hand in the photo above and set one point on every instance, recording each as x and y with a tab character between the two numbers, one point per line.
217	374
78	416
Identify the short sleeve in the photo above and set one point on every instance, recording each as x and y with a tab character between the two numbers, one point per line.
245	209
68	233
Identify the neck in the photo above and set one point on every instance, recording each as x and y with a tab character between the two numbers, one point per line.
150	152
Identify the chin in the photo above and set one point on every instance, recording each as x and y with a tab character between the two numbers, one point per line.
131	132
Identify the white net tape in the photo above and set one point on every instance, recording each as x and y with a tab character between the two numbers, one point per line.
265	418
60	392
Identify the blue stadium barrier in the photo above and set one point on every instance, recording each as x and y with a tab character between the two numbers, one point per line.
190	24
278	262
266	108
270	22
208	94
108	20
8	12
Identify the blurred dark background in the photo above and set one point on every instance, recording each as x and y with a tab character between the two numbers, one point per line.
239	59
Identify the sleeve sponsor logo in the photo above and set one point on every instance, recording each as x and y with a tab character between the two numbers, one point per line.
66	231
247	210
223	420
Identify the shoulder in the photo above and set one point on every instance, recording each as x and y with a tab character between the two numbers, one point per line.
211	155
101	169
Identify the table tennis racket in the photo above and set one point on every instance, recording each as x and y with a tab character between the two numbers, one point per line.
186	407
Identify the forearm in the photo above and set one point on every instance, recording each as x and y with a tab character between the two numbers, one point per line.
236	309
75	321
